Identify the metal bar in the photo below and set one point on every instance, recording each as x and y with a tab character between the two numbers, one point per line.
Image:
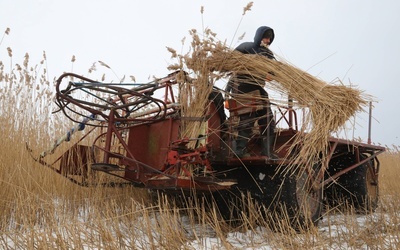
101	84
283	116
290	109
109	132
369	123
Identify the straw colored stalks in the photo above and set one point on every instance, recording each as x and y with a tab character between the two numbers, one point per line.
193	94
329	106
42	210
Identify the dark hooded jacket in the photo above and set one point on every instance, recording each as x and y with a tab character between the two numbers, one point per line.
255	47
252	48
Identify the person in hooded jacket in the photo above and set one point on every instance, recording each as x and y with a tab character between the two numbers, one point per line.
246	83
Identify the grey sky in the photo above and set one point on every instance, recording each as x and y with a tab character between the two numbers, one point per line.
356	41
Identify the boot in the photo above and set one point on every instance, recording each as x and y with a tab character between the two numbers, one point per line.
267	147
241	144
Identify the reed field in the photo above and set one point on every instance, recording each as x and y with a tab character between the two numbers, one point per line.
42	210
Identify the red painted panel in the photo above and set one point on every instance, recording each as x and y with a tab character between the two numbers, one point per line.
149	144
214	128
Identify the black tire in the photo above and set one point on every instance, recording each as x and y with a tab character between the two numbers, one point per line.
287	198
244	197
300	201
277	199
357	188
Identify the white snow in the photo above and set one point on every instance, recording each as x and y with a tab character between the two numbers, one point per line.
341	231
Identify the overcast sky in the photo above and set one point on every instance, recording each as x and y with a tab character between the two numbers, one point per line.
357	41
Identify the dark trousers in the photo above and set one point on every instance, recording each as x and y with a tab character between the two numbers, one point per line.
264	118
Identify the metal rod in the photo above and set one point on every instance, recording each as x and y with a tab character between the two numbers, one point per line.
369	123
290	113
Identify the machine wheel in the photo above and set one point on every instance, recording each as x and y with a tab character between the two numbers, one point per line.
356	188
363	191
293	199
230	205
299	200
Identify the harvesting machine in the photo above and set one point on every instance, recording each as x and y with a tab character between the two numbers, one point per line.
135	136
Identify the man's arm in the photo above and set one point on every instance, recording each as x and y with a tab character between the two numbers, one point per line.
246	48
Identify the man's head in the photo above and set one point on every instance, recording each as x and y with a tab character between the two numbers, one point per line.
264	36
268	36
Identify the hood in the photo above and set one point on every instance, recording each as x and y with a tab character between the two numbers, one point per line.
260	32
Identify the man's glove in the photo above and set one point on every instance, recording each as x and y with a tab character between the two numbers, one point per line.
269	76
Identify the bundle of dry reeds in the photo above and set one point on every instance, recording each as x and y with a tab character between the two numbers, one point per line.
329	106
194	92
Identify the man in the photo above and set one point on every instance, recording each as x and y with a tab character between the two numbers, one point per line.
242	84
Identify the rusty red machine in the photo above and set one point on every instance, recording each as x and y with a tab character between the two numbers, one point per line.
136	137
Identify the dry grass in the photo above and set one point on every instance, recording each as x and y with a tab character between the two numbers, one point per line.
42	210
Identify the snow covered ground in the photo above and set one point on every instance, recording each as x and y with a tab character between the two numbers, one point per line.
154	230
333	232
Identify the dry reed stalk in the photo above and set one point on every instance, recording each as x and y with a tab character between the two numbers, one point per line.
388	174
193	94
